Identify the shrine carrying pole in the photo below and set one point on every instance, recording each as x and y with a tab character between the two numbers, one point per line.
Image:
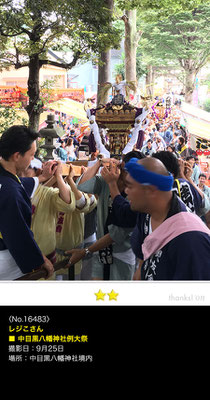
42	272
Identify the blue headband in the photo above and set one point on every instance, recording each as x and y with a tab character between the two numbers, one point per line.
145	177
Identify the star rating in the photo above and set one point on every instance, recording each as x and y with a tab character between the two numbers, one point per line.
100	295
112	295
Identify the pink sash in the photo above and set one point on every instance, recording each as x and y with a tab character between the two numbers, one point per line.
171	228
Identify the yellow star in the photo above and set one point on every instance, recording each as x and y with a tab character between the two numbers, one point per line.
112	295
100	295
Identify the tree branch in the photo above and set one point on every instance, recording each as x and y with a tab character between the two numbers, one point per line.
138	37
64	65
12	34
124	18
19	65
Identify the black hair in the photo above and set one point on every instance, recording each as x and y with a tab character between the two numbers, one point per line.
171	146
169	160
133	154
203	175
182	139
18	138
190	158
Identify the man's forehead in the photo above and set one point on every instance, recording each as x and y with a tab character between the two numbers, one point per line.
130	180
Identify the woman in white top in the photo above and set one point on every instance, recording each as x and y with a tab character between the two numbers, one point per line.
70	150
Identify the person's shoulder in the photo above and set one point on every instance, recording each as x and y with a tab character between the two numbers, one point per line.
8	185
206	189
190	253
192	242
142	223
120	200
28	183
9	194
43	192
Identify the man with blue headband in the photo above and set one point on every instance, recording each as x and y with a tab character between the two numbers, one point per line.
170	242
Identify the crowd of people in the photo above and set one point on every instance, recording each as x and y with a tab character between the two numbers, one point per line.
142	217
70	141
67	151
12	96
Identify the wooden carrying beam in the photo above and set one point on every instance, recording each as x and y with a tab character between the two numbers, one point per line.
42	272
66	167
83	163
77	167
65	172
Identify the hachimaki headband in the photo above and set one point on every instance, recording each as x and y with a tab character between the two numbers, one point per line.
145	177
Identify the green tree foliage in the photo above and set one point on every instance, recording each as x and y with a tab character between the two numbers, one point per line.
182	39
9	116
140	65
164	7
28	29
206	81
206	105
150	11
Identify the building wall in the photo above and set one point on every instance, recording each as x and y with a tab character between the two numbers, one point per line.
19	77
86	75
83	75
51	72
